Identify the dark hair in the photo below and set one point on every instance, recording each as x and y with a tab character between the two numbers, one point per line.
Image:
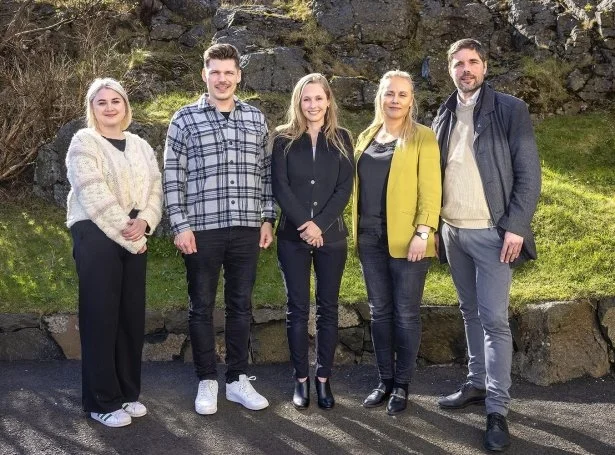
467	43
221	51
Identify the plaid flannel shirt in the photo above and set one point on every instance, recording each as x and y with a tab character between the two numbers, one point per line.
217	172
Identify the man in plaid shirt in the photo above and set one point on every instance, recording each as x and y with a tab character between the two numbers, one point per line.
217	189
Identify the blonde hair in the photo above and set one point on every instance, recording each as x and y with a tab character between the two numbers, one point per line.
296	123
410	120
96	87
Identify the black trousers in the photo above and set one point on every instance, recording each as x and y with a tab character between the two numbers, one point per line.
295	260
236	250
111	318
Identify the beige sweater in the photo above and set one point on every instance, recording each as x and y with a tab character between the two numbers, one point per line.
106	184
464	202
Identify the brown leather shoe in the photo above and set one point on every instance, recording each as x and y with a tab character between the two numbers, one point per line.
465	396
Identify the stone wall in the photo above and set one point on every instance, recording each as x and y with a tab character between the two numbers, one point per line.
553	342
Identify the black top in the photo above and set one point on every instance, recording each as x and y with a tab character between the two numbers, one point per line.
373	171
312	187
119	144
226	114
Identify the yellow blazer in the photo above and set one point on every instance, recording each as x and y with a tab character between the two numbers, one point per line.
414	189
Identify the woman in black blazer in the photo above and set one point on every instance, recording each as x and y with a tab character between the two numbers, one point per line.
312	169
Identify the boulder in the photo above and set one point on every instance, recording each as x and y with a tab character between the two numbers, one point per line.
176	322
347	317
154	321
28	344
606	315
64	329
559	341
352	339
10	322
263	315
443	335
163	346
269	343
368	20
273	70
195	10
353	92
250	28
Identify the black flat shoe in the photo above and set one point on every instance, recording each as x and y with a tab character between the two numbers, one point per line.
325	396
397	401
378	397
497	437
301	397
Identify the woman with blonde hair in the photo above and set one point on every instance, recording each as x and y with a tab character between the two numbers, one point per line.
312	172
114	202
396	207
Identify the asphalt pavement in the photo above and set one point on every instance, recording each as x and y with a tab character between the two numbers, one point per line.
40	413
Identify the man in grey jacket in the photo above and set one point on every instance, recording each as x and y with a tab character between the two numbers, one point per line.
491	186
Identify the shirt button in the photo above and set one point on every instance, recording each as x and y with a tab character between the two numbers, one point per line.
315	203
232	202
232	182
230	142
312	181
231	161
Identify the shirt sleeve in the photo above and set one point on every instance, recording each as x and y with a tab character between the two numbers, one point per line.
174	176
334	207
267	202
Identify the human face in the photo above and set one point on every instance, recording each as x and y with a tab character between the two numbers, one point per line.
396	98
467	71
314	104
109	110
221	77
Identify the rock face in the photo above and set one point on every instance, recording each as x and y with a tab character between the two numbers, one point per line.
28	344
560	341
273	70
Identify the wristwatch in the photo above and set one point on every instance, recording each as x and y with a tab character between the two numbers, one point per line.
422	235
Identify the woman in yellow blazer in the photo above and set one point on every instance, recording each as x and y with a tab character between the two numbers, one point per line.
396	206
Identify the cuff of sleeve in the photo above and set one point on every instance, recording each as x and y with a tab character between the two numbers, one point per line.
428	219
269	220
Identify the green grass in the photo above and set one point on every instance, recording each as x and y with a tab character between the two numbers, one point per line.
575	229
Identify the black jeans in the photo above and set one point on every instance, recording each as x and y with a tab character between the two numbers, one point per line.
295	261
234	249
111	318
394	289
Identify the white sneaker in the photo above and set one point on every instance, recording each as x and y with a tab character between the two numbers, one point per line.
206	401
243	393
119	418
135	409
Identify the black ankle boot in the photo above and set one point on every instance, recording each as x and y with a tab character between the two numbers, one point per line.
325	396
301	397
397	401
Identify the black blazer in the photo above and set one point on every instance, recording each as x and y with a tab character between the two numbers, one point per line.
302	184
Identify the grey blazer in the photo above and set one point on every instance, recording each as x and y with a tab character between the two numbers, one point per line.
507	160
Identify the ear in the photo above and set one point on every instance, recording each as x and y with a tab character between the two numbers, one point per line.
485	70
238	76
204	74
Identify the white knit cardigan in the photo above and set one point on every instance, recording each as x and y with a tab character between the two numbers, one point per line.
106	184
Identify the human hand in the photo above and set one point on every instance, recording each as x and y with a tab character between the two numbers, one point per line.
417	248
317	242
185	242
266	238
135	229
511	249
310	231
143	249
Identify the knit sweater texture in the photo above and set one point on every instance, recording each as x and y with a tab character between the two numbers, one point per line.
106	184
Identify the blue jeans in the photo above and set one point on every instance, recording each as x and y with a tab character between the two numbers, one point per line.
394	289
236	250
483	287
295	261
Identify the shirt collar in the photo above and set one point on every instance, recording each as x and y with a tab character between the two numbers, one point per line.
204	103
471	101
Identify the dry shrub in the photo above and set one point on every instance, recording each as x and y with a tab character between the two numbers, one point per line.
44	73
